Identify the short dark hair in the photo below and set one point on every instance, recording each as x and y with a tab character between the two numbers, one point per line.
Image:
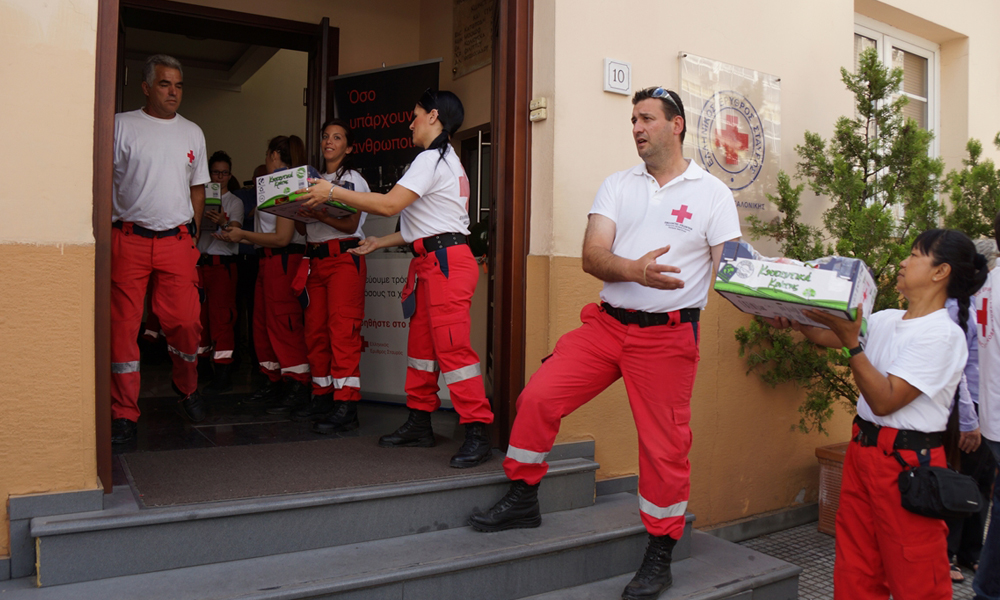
675	109
220	156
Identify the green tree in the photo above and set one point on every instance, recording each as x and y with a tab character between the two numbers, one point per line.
975	193
882	184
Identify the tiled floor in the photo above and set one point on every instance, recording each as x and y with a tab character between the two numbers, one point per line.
813	551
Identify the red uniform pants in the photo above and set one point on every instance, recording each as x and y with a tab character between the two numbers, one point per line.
278	325
438	340
336	309
882	548
658	364
218	311
171	261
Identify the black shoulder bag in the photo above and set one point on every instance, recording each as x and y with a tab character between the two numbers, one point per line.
937	492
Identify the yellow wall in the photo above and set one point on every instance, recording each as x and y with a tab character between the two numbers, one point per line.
47	441
746	459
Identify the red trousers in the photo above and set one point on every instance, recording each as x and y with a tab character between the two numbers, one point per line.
278	325
336	309
438	340
171	262
882	548
218	311
658	364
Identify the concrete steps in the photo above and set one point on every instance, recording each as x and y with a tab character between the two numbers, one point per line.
716	570
571	547
125	540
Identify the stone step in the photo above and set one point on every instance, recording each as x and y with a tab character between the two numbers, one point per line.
572	547
126	540
716	570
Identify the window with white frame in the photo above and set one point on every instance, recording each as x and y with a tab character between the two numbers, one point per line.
919	60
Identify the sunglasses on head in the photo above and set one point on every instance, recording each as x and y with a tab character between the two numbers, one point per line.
666	95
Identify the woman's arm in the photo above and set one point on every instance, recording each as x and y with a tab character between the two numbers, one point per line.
372	243
386	205
284	230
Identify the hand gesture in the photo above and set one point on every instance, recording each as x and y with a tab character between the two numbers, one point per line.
846	330
217	216
367	246
317	193
230	234
653	274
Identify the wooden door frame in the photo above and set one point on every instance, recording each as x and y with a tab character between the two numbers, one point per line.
286	33
512	58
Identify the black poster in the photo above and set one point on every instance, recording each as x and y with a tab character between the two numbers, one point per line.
378	105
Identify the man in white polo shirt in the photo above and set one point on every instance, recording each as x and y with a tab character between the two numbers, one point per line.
654	234
159	194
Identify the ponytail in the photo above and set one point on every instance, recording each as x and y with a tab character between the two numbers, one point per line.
290	149
969	268
451	113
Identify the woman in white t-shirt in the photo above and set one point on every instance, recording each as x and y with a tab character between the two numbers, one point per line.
278	326
336	288
432	199
907	374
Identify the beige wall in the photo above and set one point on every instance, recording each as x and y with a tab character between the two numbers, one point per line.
746	459
47	441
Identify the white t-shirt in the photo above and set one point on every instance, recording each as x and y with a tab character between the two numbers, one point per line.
691	213
321	232
233	207
987	312
157	161
443	205
929	353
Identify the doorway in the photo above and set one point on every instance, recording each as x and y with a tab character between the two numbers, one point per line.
512	81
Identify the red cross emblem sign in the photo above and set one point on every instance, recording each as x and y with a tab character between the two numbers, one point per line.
731	140
190	157
681	213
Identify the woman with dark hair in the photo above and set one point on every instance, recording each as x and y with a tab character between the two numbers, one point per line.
907	375
432	201
336	288
278	327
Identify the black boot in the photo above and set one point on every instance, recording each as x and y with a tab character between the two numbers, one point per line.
343	418
204	369
415	432
317	407
518	509
122	431
477	448
653	575
296	394
222	381
191	407
266	393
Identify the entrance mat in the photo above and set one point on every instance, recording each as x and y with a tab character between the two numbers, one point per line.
213	474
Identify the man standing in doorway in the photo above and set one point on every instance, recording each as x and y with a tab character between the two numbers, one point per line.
159	197
654	234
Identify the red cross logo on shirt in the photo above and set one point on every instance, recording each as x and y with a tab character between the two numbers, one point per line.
681	213
732	140
983	315
190	157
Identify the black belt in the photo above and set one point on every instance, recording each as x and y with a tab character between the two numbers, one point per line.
436	242
906	439
289	249
322	249
208	260
132	228
648	319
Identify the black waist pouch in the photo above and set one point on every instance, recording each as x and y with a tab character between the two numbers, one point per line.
937	492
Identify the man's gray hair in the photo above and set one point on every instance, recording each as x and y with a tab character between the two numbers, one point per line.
149	69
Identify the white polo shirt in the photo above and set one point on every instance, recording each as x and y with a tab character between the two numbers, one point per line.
443	205
157	161
691	213
233	207
321	232
929	353
987	312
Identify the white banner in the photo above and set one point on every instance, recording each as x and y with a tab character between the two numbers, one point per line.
384	331
734	129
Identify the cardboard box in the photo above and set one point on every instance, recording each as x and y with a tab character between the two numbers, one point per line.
766	287
275	194
213	201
